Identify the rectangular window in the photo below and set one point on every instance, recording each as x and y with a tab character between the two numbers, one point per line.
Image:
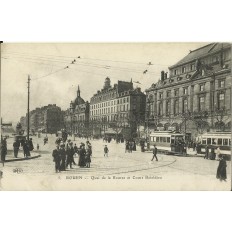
168	93
219	141
160	95
209	141
204	141
183	69
157	139
221	83
161	139
175	72
225	142
185	106
214	141
185	91
168	140
202	87
192	67
201	103
164	139
176	92
221	101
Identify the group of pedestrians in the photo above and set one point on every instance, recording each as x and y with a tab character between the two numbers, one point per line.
130	146
64	154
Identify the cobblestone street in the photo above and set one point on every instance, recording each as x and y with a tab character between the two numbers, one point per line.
170	171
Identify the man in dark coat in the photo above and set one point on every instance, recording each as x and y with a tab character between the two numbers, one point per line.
221	170
82	154
57	158
206	152
63	157
154	153
16	145
70	155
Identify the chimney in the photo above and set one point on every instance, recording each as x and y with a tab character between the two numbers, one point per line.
162	75
166	76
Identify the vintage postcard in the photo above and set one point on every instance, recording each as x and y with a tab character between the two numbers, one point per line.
116	116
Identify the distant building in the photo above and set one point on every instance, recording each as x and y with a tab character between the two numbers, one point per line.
196	97
48	119
116	107
76	118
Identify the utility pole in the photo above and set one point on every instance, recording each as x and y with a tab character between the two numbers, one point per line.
28	107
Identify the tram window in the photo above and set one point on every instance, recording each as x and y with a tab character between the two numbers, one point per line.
164	139
168	140
203	141
214	141
208	140
219	141
225	141
157	139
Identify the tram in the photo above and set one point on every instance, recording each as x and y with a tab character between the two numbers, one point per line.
215	140
167	141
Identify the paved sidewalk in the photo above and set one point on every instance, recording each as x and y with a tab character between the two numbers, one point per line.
10	156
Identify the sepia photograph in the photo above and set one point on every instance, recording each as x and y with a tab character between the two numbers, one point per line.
116	116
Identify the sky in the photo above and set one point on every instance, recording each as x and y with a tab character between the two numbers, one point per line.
53	83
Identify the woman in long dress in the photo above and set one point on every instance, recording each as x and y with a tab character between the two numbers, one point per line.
82	154
221	170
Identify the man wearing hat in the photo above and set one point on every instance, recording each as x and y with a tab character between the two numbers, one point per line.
70	153
56	158
63	157
154	153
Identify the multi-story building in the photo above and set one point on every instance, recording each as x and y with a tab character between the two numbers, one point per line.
47	119
76	118
196	97
116	107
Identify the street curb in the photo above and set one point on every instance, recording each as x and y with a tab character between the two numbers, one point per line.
21	159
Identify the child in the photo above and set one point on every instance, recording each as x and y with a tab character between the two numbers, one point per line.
106	150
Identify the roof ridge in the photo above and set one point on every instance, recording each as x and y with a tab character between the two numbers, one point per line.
202	47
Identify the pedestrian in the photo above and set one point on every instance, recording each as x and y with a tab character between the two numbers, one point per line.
37	146
106	151
89	146
63	157
218	154
212	154
82	154
88	157
3	151
154	153
206	152
70	154
221	170
16	145
127	147
57	158
30	144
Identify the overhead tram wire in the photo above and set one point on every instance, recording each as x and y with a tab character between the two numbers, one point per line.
70	67
88	65
85	58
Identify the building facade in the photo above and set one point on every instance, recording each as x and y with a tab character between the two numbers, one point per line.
76	118
116	110
196	97
47	119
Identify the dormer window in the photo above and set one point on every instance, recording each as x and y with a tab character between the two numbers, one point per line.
183	69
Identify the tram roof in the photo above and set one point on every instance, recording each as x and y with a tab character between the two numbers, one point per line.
166	132
217	134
